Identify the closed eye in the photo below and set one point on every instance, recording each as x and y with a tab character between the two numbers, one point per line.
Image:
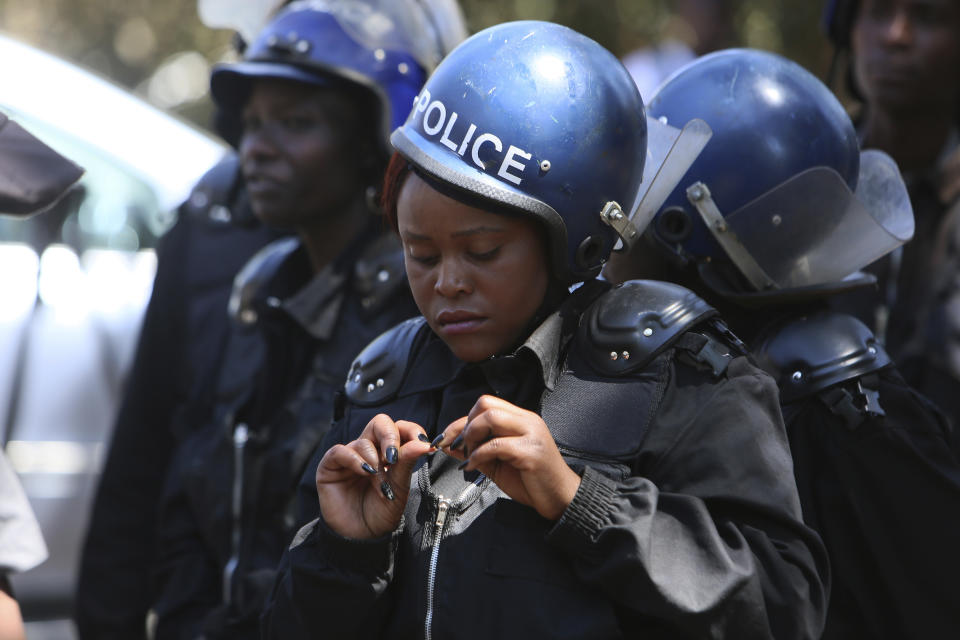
427	261
486	255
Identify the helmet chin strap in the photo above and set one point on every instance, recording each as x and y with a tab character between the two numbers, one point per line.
699	196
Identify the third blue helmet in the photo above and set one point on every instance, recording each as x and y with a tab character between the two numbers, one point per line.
538	118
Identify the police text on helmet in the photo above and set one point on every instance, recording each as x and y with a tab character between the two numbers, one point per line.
436	118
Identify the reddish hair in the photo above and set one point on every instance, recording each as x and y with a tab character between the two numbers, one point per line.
393	178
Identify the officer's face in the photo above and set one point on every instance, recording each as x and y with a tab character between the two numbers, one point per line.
907	53
477	277
298	161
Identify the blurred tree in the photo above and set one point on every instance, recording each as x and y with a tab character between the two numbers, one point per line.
161	50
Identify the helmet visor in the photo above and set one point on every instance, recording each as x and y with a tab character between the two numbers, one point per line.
427	29
670	153
812	229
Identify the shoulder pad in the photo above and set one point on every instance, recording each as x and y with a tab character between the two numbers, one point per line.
808	354
215	196
378	272
630	325
378	372
255	273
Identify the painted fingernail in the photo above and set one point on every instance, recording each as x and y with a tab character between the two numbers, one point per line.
457	442
436	441
392	456
366	467
387	490
463	465
422	437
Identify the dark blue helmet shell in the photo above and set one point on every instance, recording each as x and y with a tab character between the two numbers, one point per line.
771	120
308	42
539	118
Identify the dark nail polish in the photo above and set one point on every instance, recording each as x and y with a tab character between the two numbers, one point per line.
457	442
463	465
387	490
423	437
392	455
366	467
436	441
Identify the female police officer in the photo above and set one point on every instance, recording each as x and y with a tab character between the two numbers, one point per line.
610	465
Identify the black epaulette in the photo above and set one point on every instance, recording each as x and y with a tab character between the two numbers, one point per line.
633	323
378	372
378	273
830	355
215	196
258	270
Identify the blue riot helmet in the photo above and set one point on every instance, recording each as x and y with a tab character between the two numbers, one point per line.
385	46
537	118
781	197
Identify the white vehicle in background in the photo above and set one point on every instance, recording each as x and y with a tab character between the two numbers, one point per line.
74	282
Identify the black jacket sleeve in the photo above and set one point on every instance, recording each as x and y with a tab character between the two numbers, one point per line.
185	572
113	592
179	349
885	496
707	538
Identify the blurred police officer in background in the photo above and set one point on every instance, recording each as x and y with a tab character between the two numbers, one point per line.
32	178
779	213
179	351
316	95
902	59
182	347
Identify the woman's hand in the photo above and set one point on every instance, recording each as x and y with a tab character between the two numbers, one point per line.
363	485
514	448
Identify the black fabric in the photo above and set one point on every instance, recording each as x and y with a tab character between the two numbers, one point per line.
695	535
885	497
581	392
180	348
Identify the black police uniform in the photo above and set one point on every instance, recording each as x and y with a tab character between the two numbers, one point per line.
180	348
877	478
686	522
225	519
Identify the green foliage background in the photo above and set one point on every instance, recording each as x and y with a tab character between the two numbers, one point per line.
128	40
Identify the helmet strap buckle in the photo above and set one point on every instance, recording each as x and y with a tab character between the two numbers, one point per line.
699	196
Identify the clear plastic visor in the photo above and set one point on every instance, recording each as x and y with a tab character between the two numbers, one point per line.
670	153
425	29
813	230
